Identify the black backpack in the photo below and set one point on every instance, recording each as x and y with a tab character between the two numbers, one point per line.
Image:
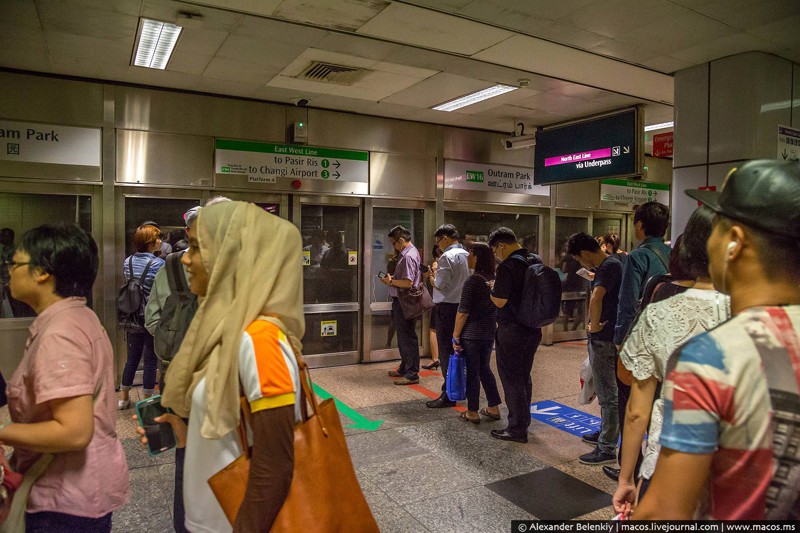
541	299
177	312
131	300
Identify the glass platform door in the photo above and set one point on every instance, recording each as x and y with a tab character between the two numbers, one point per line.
571	323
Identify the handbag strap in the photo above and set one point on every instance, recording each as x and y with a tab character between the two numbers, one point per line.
245	419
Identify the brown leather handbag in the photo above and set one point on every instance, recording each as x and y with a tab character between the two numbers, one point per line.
324	495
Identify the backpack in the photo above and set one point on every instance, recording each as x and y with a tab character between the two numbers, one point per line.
541	299
131	300
177	312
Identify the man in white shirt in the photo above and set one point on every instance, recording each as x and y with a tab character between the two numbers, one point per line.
449	278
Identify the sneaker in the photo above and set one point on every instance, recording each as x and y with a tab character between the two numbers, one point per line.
123	404
591	438
597	457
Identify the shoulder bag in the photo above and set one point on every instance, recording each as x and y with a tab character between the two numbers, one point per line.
414	301
324	495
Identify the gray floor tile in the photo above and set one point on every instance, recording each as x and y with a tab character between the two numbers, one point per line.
471	510
418	478
139	458
375	447
149	506
471	448
390	516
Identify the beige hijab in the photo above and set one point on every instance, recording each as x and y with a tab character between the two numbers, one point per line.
254	267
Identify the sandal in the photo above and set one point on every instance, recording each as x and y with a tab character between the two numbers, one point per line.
468	419
486	413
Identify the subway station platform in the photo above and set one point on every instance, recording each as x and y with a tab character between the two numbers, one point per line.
427	469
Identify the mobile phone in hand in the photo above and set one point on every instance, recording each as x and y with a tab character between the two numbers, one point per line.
160	435
382	274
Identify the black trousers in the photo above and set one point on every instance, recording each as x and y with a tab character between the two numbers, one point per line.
445	324
516	346
407	341
479	372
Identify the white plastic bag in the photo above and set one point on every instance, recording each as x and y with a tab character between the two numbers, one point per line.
587	394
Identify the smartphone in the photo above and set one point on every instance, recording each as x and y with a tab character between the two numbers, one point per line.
423	268
382	274
160	436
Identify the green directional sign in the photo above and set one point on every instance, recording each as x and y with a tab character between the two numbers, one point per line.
475	176
325	163
359	420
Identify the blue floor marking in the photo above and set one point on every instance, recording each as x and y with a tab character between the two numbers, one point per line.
565	418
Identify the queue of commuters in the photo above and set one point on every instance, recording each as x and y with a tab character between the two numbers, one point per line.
717	396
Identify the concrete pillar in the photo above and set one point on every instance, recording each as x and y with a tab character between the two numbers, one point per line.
726	112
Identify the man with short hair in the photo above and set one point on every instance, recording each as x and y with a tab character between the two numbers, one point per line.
732	394
449	277
515	344
602	352
406	275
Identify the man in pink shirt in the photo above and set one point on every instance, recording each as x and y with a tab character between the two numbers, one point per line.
61	397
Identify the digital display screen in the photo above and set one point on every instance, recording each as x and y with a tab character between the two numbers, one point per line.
601	147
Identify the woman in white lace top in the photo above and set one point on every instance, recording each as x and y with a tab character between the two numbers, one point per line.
660	329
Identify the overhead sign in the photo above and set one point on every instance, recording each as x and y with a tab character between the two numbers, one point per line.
47	143
633	192
565	418
600	147
265	162
662	144
788	143
495	178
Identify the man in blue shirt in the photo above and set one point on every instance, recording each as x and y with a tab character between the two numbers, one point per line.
449	278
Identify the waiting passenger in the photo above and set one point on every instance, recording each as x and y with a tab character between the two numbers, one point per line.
448	279
61	396
318	247
428	278
147	240
474	333
610	245
728	443
602	352
661	328
231	345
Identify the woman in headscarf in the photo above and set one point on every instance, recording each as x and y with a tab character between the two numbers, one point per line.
244	267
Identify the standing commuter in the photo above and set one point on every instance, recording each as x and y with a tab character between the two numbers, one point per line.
449	277
515	344
61	396
602	352
731	409
650	258
406	275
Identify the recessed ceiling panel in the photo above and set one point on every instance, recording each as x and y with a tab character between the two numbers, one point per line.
229	69
348	15
677	33
255	7
436	90
429	29
273	55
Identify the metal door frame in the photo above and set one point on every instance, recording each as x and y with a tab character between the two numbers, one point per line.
338	358
575	213
18	327
429	213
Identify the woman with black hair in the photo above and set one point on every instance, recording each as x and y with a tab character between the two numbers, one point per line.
428	279
474	333
61	397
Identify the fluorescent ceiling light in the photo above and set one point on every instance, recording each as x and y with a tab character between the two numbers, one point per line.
156	42
474	98
659	126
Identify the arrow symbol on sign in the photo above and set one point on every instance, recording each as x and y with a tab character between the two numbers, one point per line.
626	150
544	411
336	175
337	164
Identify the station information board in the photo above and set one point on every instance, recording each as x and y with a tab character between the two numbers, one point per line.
602	147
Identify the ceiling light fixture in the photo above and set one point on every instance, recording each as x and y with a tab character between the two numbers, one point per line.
155	44
474	98
659	126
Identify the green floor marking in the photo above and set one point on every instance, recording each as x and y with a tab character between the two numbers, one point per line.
359	420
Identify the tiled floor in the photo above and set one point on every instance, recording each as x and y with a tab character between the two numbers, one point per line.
426	469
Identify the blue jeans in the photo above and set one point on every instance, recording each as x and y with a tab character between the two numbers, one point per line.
603	358
407	342
479	372
140	344
49	522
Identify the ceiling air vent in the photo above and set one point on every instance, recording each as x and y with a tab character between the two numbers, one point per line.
331	73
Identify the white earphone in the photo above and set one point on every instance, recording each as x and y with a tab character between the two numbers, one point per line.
731	247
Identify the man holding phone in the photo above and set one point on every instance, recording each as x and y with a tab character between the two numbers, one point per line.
406	275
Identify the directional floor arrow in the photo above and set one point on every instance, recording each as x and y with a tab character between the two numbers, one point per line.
359	420
544	411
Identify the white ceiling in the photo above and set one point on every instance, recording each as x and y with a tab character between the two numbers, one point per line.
578	56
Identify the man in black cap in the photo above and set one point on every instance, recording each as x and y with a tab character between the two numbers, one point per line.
732	395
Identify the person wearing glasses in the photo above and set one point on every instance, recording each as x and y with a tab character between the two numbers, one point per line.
406	275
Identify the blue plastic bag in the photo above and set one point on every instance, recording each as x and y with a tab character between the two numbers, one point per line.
457	377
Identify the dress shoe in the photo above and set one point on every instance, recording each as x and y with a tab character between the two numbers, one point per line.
433	366
598	457
406	381
611	472
502	434
394	374
591	438
440	403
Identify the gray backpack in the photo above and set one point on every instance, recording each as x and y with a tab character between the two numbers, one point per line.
177	313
